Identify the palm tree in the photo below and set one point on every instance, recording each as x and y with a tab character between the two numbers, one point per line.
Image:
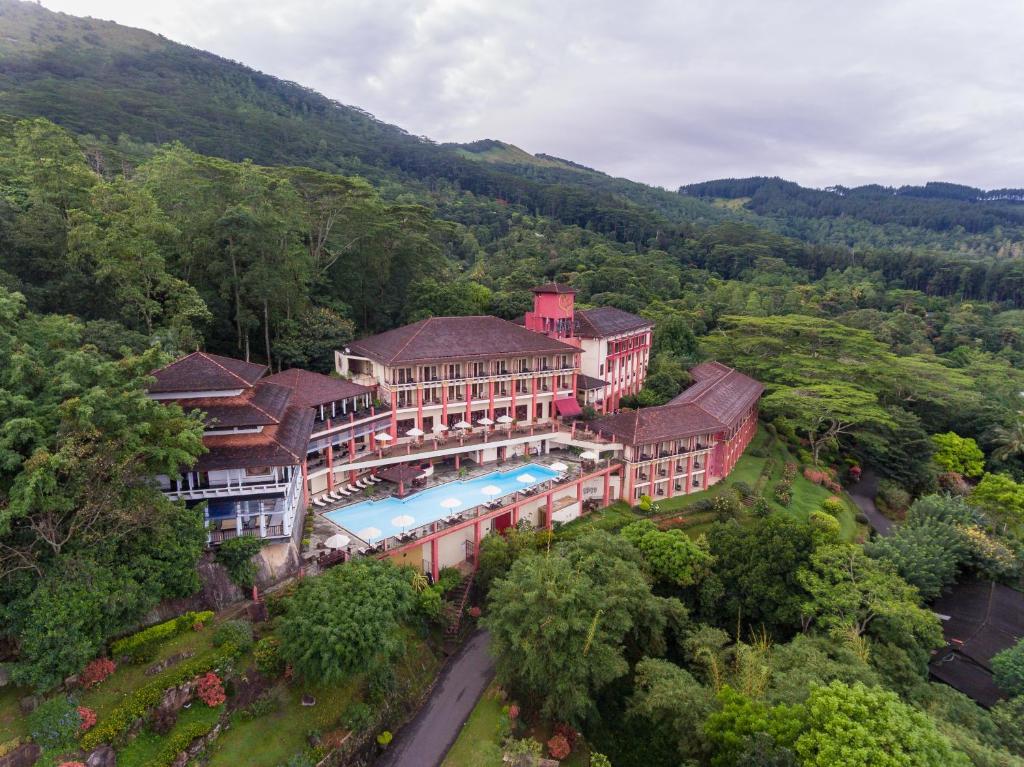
1010	439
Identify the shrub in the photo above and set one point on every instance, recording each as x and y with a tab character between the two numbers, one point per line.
743	489
725	506
179	740
783	492
559	747
862	518
761	506
381	682
385	738
448	578
54	723
96	671
1008	669
833	506
789	471
88	717
357	717
892	499
567	732
599	760
139	702
267	654
236	554
825	526
644	504
211	690
142	645
237	632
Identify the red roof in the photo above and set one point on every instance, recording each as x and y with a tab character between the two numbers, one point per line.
282	444
714	403
607	321
721	391
260	405
201	371
313	389
455	338
554	287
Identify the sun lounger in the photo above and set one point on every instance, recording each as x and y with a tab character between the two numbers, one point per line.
375	480
360	484
337	495
351	489
319	502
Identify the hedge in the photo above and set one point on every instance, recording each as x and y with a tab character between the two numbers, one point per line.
140	701
141	645
180	740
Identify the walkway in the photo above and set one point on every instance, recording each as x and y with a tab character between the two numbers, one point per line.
863	494
427	738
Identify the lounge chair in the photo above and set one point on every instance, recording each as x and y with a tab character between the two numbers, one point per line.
319	502
373	480
351	489
336	495
361	484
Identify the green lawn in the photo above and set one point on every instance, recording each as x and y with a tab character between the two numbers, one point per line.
12	723
147	745
477	743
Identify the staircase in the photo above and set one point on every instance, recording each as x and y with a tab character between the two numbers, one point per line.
455	606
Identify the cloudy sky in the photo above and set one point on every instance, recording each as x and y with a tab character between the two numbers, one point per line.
667	92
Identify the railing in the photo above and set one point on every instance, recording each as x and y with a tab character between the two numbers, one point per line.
272	531
217	491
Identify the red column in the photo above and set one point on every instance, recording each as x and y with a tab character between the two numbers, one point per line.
476	544
671	476
490	398
688	482
579	493
456	462
630	479
533	400
444	404
330	465
394	416
512	404
515	514
548	511
434	569
419	407
305	483
606	498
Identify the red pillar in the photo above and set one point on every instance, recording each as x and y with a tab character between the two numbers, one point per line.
671	476
434	569
606	498
373	434
490	398
533	400
305	483
456	462
476	544
394	417
515	514
330	461
548	510
444	404
419	407
512	404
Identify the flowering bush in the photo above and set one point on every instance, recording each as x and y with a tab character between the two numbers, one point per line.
513	711
559	747
822	478
568	733
474	612
784	492
789	471
267	654
88	717
96	671
211	690
833	505
855	472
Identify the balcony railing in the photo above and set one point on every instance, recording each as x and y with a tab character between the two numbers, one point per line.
273	531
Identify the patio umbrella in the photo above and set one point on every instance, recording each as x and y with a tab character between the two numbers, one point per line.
463	425
439	428
384	437
485	421
558	466
414	432
337	541
368	534
402	521
491	490
526	478
451	503
504	419
589	455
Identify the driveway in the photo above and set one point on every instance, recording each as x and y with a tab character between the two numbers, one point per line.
863	494
427	738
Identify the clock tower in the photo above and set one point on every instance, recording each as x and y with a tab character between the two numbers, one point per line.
553	311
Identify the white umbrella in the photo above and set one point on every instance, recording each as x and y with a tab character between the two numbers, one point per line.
368	534
491	490
337	541
451	503
588	455
485	421
384	437
439	428
414	432
402	520
526	478
463	425
504	419
558	466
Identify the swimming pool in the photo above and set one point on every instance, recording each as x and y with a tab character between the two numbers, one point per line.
426	506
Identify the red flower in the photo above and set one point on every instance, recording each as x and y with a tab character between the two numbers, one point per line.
211	690
513	711
559	747
88	717
96	671
474	612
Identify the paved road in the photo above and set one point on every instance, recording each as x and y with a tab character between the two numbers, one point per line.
863	494
427	738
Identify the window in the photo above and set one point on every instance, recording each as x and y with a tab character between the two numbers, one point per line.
540	410
601	370
404	375
479	369
454	393
454	371
501	367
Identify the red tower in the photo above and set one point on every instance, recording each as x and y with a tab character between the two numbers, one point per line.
553	312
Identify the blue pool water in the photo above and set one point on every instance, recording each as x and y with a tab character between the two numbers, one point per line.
425	506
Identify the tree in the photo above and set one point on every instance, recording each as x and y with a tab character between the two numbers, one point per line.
824	412
859	726
429	297
740	719
560	625
958	454
310	340
1008	669
927	554
672	704
346	620
1001	499
754	580
1009	440
671	555
850	592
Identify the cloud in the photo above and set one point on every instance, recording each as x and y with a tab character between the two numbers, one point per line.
663	92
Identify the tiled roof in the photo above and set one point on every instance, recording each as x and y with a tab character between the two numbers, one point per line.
262	405
200	371
554	287
585	382
655	424
452	338
281	444
607	321
312	389
721	391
